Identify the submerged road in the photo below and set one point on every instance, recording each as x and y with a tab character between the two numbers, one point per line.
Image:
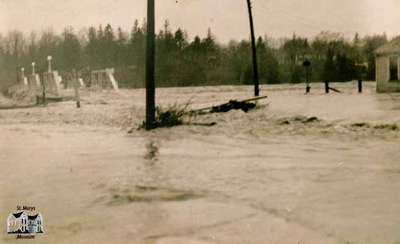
103	186
303	169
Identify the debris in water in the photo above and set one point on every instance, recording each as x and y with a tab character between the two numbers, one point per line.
149	194
202	124
233	104
301	119
387	127
361	124
393	127
284	122
311	120
169	117
244	105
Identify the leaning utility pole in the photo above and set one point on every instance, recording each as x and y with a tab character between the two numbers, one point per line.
253	45
150	65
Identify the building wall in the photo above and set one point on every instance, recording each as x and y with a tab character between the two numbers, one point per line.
383	83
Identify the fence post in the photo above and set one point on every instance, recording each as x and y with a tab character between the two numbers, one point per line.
44	100
326	86
360	86
307	65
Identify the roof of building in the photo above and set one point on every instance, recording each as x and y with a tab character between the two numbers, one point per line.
17	215
33	217
393	47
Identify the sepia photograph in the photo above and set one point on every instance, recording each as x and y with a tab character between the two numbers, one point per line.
200	121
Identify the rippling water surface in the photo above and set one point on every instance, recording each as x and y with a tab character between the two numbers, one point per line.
249	179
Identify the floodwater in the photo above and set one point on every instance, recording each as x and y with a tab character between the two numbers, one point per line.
300	169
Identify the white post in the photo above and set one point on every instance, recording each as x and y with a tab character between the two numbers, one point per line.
49	63
33	68
24	79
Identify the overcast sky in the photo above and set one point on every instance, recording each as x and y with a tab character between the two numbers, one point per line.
227	18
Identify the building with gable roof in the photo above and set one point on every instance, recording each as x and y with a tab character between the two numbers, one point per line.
22	223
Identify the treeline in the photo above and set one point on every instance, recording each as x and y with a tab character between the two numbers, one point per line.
182	61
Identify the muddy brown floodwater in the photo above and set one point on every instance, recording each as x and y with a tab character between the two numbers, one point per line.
300	169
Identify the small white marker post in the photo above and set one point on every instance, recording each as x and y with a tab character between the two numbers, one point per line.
49	58
33	68
23	76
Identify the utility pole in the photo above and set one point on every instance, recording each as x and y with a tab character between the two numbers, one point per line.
253	45
150	65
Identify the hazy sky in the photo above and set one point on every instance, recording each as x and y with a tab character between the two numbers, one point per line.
227	18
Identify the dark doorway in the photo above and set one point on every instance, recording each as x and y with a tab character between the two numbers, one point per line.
394	68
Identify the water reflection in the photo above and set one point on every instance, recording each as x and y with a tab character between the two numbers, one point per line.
152	151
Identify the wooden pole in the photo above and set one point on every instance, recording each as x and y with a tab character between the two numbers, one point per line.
360	86
150	65
44	100
308	87
254	50
326	86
